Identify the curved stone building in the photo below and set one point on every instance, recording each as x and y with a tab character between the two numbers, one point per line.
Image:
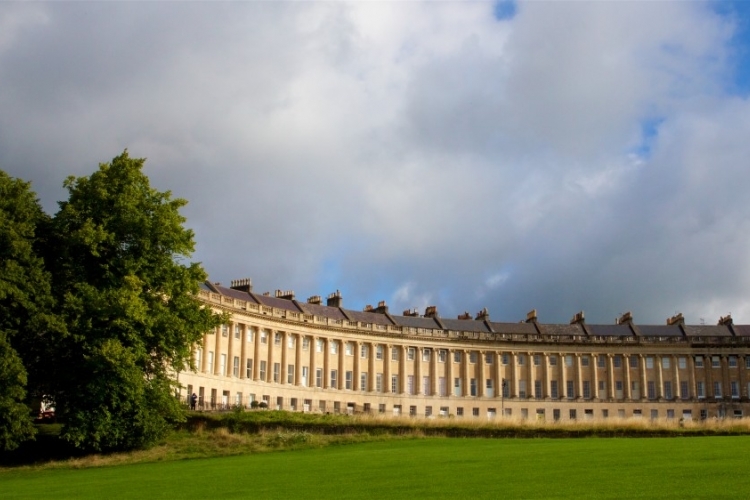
307	356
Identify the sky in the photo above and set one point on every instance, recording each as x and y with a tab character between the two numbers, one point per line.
558	156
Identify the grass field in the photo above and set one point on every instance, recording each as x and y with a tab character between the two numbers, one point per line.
695	467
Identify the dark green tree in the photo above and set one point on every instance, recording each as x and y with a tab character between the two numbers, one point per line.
25	305
128	299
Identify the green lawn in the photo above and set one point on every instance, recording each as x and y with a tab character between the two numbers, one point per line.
696	467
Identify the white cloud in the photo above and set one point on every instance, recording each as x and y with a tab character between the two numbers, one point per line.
416	145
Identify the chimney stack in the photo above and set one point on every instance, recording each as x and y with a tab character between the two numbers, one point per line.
677	319
531	316
288	294
726	320
382	308
335	299
243	285
625	318
577	319
483	315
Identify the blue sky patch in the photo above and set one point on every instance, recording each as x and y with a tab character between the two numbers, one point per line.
649	132
505	9
739	13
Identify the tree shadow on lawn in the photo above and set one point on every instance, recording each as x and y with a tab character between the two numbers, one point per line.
46	447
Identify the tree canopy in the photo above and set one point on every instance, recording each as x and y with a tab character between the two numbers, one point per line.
126	298
25	303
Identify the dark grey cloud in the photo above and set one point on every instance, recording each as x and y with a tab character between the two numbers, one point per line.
574	156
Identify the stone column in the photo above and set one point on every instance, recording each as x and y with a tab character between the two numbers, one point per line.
418	370
676	392
579	375
659	379
691	377
371	371
217	350
342	365
356	375
480	376
269	355
465	389
561	385
595	373
230	350
626	392
204	356
449	373
530	375
402	370
298	361
312	382
256	354
434	375
387	368
284	357
611	375
243	352
499	371
644	377
327	364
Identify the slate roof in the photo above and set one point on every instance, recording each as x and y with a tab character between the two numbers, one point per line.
514	328
624	330
741	330
610	330
368	317
707	331
562	330
235	294
416	322
269	301
321	310
465	325
659	330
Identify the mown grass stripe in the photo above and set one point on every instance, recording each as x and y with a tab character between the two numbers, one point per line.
697	467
